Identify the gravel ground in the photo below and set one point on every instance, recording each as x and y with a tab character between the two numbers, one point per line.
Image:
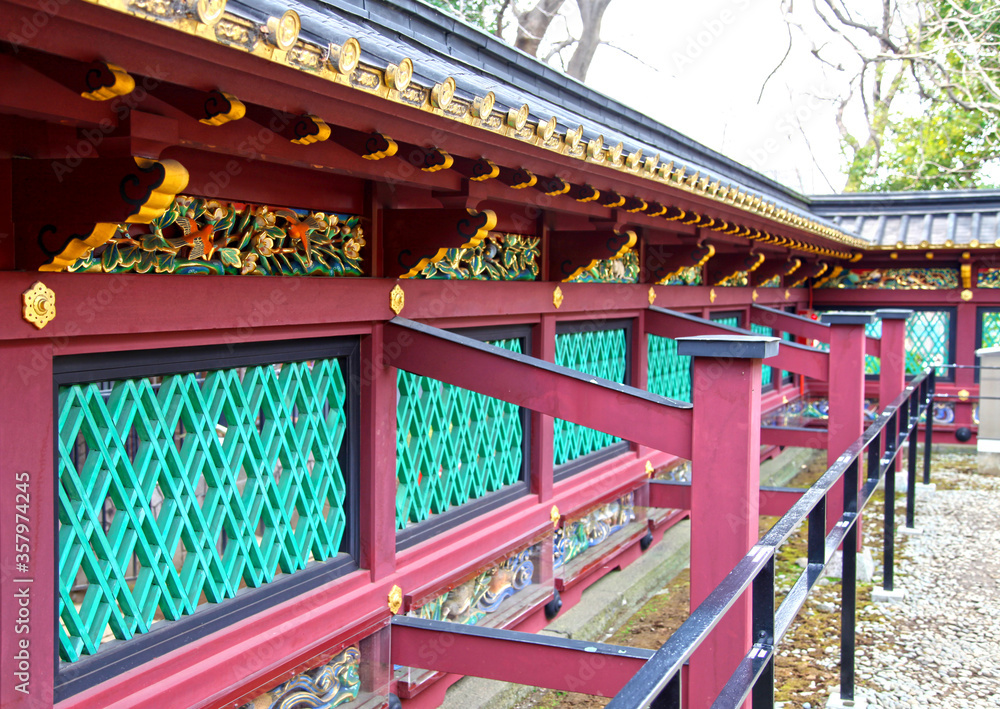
940	647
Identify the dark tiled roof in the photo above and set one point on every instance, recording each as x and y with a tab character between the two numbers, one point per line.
441	45
911	218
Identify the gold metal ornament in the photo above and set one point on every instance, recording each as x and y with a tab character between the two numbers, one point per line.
517	117
39	305
344	58
754	295
209	12
711	295
787	294
557	297
398	76
572	138
395	599
397	299
554	516
443	93
652	295
283	32
546	130
483	107
649	469
967	295
963	395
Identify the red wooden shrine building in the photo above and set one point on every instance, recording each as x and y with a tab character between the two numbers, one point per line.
318	315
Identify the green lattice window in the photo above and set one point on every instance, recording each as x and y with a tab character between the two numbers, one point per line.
600	353
928	341
989	328
668	373
727	319
177	490
873	364
453	446
766	371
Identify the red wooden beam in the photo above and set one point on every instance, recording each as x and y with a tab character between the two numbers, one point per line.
776	501
791	357
789	322
618	409
666	494
510	656
793	436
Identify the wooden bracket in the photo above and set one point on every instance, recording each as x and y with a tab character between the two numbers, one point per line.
809	269
663	260
414	238
571	252
726	266
518	179
301	129
96	81
476	170
58	210
775	266
213	108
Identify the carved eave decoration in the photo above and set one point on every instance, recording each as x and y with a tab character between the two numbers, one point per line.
279	40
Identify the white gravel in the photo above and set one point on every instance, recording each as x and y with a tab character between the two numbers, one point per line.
940	647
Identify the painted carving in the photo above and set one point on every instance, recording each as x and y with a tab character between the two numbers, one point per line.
498	257
895	278
475	599
199	236
576	537
624	269
335	683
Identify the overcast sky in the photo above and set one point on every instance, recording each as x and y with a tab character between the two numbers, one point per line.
701	68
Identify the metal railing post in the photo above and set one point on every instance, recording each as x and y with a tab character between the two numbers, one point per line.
911	459
848	588
763	634
929	428
889	529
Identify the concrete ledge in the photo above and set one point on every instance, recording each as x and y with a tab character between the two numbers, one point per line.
911	531
925	490
880	595
835	702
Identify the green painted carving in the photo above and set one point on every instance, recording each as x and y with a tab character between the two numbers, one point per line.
690	276
988	278
618	270
600	353
182	491
896	278
474	600
452	445
667	373
592	529
332	684
498	257
772	282
199	236
740	279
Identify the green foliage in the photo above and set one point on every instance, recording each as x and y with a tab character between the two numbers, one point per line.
946	147
479	13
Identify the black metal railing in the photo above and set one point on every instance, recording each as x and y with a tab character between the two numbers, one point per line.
658	683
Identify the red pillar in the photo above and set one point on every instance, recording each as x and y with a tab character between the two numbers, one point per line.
847	394
725	491
892	369
543	346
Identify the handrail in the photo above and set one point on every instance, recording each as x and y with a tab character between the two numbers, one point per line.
658	682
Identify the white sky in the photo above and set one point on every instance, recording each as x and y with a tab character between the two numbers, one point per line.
702	67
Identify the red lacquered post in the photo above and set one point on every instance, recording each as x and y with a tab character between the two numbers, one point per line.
725	491
892	369
847	394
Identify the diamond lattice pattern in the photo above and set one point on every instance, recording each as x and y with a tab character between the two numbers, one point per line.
990	329
177	493
452	445
600	353
928	340
766	371
668	373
